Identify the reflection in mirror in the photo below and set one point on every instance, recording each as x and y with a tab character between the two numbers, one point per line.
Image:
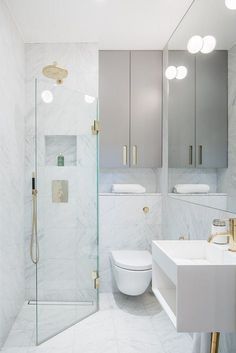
202	106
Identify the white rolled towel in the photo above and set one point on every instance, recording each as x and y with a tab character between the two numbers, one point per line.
191	189
128	188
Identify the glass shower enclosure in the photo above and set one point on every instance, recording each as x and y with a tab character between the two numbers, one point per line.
62	273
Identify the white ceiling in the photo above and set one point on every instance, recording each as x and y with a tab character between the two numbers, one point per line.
207	17
114	24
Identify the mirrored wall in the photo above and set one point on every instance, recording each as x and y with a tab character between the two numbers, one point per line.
201	76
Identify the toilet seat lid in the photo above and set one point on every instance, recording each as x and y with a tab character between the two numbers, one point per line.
136	260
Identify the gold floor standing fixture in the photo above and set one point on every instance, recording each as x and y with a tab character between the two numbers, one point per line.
215	339
55	73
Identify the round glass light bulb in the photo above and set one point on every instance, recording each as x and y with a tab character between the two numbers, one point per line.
195	44
89	99
231	4
47	96
209	44
182	72
171	72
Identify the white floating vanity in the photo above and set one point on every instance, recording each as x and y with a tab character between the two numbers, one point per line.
195	282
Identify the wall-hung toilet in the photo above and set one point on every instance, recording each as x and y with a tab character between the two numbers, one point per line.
132	270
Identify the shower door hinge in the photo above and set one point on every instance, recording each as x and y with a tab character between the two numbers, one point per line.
96	279
95	127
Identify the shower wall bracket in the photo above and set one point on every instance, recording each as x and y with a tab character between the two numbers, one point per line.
96	279
95	127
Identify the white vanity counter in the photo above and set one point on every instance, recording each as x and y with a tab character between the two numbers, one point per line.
195	282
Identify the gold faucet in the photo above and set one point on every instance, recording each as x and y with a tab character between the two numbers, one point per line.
231	234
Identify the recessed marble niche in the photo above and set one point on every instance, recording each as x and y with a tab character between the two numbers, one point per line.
64	144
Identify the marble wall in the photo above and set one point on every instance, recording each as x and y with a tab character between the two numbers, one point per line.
186	218
124	225
67	231
149	178
11	172
192	176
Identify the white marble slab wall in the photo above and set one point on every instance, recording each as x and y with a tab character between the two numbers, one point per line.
185	218
12	172
149	178
124	225
217	200
67	231
192	176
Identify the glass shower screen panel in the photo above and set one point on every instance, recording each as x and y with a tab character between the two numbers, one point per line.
66	155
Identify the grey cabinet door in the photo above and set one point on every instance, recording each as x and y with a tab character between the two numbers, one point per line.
146	109
181	122
211	110
114	92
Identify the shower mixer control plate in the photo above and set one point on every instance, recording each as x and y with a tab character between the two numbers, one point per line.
59	191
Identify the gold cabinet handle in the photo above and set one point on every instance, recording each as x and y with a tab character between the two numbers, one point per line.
200	155
190	155
125	158
135	157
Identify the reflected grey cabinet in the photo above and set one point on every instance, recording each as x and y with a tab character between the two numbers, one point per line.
130	108
198	111
212	110
181	124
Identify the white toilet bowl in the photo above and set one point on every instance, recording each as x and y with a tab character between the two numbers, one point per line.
132	270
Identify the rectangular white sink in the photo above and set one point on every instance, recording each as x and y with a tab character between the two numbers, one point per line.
195	282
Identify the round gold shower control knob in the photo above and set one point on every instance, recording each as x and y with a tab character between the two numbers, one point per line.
146	209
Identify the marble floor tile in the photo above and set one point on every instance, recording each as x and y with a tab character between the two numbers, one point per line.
99	346
15	350
122	325
60	343
97	327
18	338
139	347
134	328
172	341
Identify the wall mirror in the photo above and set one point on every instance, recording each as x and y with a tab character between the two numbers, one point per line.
201	76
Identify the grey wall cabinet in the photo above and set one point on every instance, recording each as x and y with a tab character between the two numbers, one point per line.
146	108
114	110
198	111
130	108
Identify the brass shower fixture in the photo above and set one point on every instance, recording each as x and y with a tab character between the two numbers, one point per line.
56	73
